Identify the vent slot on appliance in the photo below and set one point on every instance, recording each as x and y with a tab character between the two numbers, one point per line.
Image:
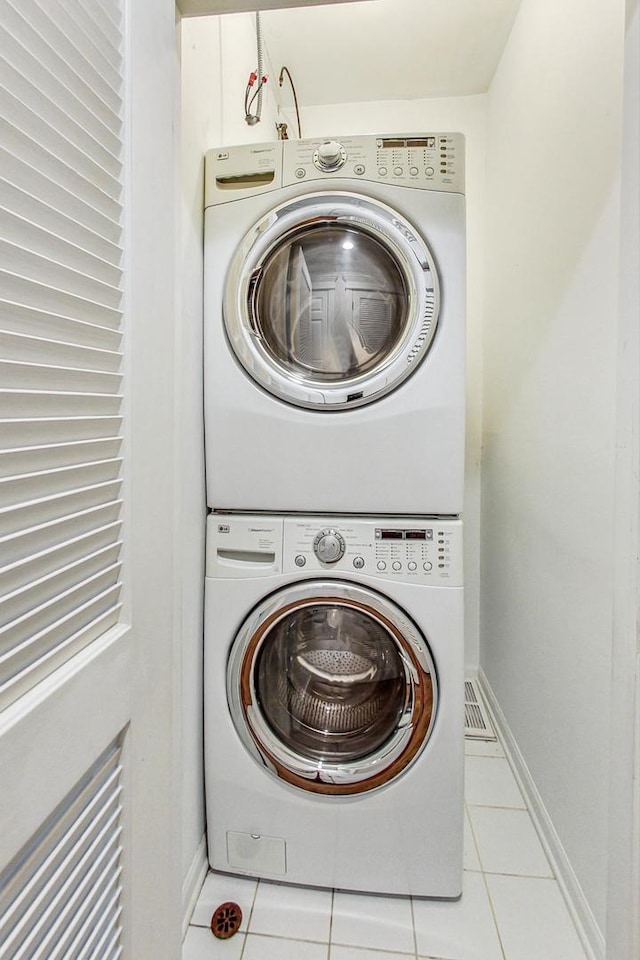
477	724
61	896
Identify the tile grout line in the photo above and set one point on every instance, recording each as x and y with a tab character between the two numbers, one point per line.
333	896
253	903
488	892
467	818
413	924
493	914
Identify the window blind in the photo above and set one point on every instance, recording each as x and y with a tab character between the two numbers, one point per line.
61	897
61	130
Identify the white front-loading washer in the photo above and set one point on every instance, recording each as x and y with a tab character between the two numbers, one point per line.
334	325
334	701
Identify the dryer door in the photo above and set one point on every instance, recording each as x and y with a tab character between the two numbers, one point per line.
331	301
332	687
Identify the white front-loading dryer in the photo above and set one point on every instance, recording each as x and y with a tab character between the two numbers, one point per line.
334	325
334	701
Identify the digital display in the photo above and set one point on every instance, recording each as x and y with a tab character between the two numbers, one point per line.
398	144
404	534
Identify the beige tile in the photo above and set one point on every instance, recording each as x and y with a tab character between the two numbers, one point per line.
533	919
507	842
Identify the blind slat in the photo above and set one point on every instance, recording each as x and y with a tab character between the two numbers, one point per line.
42	296
24	234
49	554
53	184
24	632
21	519
25	60
109	946
25	347
32	264
26	149
56	429
102	918
42	103
19	204
59	914
34	868
44	22
67	868
61	256
34	128
56	650
37	323
52	57
20	601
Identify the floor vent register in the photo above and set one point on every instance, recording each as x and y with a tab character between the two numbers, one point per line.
477	725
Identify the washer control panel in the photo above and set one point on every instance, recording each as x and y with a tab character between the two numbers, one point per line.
432	161
412	550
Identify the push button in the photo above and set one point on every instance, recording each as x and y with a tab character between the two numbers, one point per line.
358	562
300	560
396	565
381	565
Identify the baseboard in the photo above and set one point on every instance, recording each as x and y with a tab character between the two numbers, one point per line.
192	883
583	918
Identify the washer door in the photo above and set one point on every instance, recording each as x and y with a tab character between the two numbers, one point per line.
331	687
331	301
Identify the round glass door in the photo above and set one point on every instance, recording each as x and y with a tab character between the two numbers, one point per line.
332	687
331	301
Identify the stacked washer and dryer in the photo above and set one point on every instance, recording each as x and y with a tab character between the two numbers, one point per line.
334	417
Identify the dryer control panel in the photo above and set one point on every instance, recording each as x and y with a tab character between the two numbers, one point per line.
432	161
408	549
423	161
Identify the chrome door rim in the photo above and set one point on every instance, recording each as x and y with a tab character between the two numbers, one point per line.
413	259
323	777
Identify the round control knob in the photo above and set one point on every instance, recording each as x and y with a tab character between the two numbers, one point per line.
381	565
328	546
330	156
412	565
396	565
427	566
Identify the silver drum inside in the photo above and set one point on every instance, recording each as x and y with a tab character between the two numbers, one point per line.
330	682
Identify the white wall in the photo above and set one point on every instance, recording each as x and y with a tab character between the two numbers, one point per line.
623	918
154	785
468	116
553	154
218	54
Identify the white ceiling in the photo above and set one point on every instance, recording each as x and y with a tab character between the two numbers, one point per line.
389	49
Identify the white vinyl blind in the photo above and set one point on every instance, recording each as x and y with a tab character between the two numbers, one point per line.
61	897
61	89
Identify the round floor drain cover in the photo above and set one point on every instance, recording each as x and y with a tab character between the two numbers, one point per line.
226	920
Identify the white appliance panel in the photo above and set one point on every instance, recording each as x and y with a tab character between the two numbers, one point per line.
404	838
403	453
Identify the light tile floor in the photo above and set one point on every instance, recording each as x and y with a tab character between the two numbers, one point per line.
511	907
